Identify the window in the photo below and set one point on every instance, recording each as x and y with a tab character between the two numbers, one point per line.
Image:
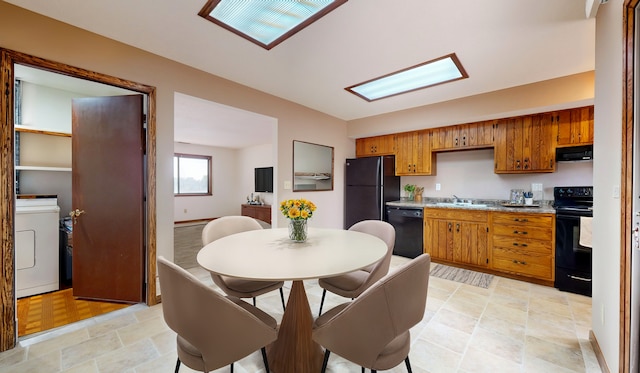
191	175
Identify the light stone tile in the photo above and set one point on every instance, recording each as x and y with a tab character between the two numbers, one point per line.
445	336
456	320
515	293
507	301
506	313
127	358
513	284
442	284
555	320
86	367
498	344
462	294
437	293
550	333
535	365
45	363
433	357
434	304
568	358
58	343
465	308
502	326
89	349
165	342
543	305
478	361
548	293
12	357
111	325
149	313
589	356
135	332
163	364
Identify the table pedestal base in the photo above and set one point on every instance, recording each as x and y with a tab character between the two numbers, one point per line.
294	351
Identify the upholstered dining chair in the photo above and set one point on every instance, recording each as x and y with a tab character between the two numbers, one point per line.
212	330
352	284
373	330
238	287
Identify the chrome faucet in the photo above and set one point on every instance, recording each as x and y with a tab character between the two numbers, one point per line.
455	198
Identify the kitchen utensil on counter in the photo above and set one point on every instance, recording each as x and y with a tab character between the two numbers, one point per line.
517	197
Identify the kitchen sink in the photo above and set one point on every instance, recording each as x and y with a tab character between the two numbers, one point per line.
460	204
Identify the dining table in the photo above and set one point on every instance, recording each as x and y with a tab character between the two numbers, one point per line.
269	255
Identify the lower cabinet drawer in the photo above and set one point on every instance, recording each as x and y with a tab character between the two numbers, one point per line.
521	262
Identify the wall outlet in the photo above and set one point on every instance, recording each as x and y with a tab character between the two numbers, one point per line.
438	186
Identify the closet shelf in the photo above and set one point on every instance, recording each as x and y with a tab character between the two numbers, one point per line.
41	168
41	131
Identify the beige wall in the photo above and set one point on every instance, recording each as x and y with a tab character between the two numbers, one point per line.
607	167
30	33
570	91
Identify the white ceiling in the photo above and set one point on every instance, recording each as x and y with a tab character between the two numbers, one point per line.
500	43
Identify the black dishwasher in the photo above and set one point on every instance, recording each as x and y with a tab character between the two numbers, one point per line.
408	224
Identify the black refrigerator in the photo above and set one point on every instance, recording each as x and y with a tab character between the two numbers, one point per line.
370	183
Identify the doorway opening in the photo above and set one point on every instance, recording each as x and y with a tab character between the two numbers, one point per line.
12	61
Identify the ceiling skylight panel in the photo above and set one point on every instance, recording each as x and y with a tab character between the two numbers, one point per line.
438	71
266	22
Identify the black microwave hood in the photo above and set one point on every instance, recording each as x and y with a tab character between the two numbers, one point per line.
574	153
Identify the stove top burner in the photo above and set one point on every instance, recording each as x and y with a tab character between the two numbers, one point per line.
574	200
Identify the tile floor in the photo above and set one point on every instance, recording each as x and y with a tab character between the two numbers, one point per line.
511	327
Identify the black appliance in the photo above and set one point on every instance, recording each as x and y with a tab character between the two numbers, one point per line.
573	261
574	153
408	224
370	183
66	252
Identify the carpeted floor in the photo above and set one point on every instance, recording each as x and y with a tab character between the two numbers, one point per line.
464	276
187	241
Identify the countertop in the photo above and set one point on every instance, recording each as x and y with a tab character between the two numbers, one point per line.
541	207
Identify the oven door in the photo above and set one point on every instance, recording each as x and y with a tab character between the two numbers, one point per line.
573	261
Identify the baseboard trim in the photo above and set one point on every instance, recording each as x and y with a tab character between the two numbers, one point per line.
195	221
598	352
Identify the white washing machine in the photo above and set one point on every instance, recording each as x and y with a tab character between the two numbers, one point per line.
37	243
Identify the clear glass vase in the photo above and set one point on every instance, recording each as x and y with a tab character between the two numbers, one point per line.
297	230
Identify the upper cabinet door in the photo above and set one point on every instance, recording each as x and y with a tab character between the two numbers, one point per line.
525	144
376	145
574	126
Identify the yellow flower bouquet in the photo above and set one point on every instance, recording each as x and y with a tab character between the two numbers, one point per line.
298	211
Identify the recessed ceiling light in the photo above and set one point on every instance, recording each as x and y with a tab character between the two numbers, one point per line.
441	70
267	22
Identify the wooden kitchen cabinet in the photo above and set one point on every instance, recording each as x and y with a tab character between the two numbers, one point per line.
523	244
574	126
457	236
260	212
413	153
376	145
463	136
525	144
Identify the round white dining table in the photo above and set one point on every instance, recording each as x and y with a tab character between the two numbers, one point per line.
269	254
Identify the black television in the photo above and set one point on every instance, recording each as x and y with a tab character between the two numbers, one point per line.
264	179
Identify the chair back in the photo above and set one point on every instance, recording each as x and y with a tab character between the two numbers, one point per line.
387	233
227	225
385	311
221	330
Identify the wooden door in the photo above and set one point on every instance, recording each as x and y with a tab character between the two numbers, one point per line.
108	191
405	154
543	142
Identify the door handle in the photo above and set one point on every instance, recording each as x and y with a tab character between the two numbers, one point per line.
75	213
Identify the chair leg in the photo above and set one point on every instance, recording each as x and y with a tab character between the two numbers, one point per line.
325	361
231	367
406	362
324	292
282	298
177	365
254	301
264	359
362	370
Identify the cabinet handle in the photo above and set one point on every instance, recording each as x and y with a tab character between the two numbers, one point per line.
456	141
519	262
450	227
519	232
518	164
457	227
521	220
464	141
520	244
414	168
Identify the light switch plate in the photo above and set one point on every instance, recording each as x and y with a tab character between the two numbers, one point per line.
437	186
287	184
536	187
